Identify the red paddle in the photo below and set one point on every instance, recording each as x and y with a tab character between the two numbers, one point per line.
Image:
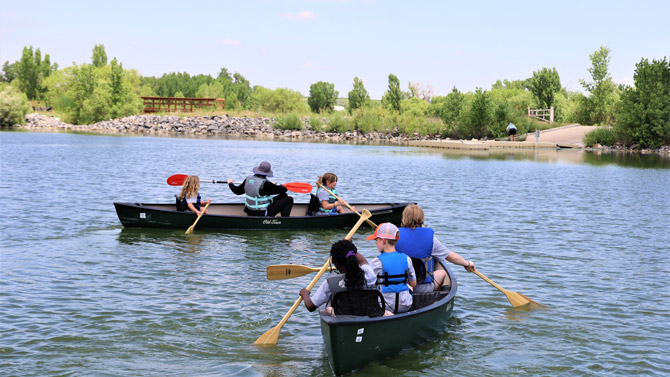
300	187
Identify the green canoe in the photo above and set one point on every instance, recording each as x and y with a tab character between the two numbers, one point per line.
353	342
231	216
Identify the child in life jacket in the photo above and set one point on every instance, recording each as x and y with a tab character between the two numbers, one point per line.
355	273
394	270
189	195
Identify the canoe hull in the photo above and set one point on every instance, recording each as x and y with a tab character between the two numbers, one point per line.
351	342
164	216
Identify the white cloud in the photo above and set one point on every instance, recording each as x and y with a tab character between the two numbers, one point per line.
302	16
230	42
307	65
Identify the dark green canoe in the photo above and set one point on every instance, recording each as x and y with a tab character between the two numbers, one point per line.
232	216
353	342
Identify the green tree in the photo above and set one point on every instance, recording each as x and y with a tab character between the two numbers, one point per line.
280	100
82	85
643	116
476	117
600	105
392	97
13	106
9	72
99	58
322	96
544	84
358	96
451	107
122	100
32	70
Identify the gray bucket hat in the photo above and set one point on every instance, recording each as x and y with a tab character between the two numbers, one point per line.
263	168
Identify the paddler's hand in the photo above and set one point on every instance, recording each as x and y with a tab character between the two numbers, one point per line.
304	292
230	181
470	267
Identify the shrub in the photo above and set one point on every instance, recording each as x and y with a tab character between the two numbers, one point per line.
338	123
601	135
289	122
13	107
316	122
370	119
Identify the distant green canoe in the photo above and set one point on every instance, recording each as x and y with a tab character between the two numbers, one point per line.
353	342
230	216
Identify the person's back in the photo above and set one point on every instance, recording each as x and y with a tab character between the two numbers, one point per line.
417	243
258	191
356	274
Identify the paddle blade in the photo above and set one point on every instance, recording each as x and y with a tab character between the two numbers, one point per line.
533	302
288	271
269	338
299	187
177	179
516	299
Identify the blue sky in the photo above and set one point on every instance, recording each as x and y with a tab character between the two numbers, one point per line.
293	44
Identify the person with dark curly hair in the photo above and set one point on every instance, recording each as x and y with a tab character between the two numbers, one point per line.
355	273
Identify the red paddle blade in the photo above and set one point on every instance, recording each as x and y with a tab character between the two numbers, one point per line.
300	187
177	179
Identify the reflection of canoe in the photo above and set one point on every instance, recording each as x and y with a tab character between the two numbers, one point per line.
232	216
353	342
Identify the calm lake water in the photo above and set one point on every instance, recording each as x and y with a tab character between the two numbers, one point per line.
585	234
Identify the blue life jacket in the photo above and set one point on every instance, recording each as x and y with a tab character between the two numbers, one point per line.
331	200
252	197
393	278
418	243
184	204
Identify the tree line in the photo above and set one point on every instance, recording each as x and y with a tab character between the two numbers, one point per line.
102	89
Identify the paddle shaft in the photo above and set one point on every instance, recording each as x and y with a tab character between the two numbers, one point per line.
190	229
299	187
346	204
489	280
299	300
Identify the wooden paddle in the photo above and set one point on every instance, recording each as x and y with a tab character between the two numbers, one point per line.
516	299
190	229
299	187
347	204
288	271
271	336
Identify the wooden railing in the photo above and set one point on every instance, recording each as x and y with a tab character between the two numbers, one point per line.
174	104
546	115
39	106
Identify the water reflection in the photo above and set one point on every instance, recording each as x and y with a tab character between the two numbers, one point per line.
598	158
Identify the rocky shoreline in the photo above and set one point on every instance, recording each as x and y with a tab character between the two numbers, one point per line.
210	126
239	127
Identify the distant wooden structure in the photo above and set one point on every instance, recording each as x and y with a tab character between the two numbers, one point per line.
174	104
546	115
39	106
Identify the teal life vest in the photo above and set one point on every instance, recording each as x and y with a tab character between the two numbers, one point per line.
252	198
393	278
418	243
331	200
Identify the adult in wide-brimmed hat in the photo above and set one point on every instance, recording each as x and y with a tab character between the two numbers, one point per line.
264	168
258	193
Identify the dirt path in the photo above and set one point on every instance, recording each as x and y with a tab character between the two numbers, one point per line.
570	135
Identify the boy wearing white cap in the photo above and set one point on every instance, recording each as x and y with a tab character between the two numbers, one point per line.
395	273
